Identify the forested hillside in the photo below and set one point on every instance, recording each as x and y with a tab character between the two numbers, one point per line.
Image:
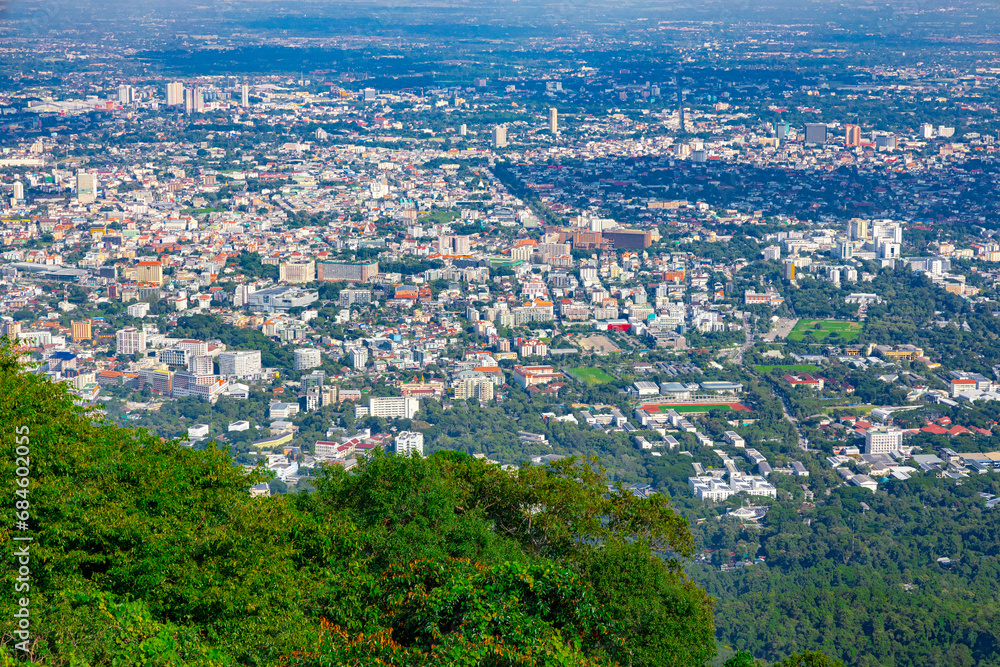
859	577
147	552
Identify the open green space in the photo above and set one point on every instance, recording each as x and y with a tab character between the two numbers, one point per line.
791	368
591	376
820	330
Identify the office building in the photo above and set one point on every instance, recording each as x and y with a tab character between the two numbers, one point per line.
175	93
853	136
370	94
815	133
500	136
297	272
82	330
393	407
361	272
845	250
408	442
130	341
553	121
307	357
883	439
240	363
86	187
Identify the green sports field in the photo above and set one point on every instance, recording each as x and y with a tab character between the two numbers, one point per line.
591	376
790	368
823	329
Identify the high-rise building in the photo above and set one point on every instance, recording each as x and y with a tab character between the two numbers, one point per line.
359	357
201	365
240	363
175	93
857	229
815	133
193	100
307	357
244	95
11	329
789	269
130	340
86	187
463	130
772	253
408	442
126	94
18	191
927	131
845	250
882	439
500	136
149	272
853	135
241	296
553	121
82	330
370	94
297	272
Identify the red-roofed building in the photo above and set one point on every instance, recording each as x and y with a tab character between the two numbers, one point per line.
804	380
934	429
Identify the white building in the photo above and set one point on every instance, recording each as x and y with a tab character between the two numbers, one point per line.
713	488
408	442
359	357
393	407
130	341
240	363
882	439
307	357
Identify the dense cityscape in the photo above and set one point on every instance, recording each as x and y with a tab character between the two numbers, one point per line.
749	265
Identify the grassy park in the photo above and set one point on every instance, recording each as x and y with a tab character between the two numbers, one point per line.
820	330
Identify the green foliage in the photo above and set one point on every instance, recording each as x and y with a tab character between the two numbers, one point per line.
148	552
